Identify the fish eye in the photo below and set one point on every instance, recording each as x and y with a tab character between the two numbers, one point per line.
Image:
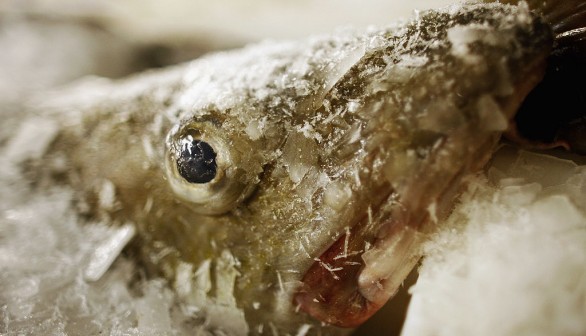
197	161
204	170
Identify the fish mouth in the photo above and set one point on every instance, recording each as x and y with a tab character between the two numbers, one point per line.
353	279
339	289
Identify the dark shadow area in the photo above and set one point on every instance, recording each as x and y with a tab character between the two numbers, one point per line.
556	109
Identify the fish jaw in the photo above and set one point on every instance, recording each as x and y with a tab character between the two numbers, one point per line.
331	292
345	289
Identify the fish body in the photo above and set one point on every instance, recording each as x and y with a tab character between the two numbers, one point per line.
286	187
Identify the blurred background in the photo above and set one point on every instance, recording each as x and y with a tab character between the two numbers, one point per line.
50	42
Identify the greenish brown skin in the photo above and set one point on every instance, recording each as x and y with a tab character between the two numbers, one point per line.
419	132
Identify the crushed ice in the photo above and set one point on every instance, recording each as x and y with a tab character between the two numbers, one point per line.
510	260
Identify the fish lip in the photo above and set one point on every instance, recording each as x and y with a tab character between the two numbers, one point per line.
324	294
330	290
337	291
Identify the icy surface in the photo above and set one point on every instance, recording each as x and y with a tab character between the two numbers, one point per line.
58	277
510	260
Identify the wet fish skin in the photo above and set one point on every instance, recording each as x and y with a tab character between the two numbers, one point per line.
326	148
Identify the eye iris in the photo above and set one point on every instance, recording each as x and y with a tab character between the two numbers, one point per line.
197	161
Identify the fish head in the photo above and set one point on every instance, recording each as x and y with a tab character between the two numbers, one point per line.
349	178
295	182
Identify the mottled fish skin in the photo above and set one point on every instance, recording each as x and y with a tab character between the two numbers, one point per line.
334	156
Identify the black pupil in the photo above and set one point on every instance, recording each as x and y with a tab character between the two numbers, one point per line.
197	161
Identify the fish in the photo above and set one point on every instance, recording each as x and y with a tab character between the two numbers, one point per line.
286	187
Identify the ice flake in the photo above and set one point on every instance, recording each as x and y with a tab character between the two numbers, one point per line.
300	153
107	251
309	132
107	195
337	195
303	329
148	148
462	36
329	268
280	280
226	274
413	61
255	128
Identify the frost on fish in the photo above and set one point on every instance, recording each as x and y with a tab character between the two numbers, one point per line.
330	157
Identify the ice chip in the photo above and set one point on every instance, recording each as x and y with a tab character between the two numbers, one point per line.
107	195
107	251
337	195
226	274
152	310
520	194
300	154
